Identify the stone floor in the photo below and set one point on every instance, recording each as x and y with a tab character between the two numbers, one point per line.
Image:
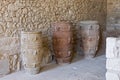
80	69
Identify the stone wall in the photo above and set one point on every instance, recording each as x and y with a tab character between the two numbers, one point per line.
9	55
113	17
113	58
37	15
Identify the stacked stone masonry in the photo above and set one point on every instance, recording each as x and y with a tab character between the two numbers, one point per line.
32	15
113	17
113	58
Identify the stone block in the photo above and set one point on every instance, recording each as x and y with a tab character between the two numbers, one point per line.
113	76
113	58
110	47
113	64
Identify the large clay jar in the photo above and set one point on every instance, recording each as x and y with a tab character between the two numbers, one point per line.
62	37
89	31
32	51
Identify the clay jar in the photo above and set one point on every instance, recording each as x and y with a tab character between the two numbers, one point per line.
32	51
89	31
62	37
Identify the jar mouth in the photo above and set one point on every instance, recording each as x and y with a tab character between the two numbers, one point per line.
89	22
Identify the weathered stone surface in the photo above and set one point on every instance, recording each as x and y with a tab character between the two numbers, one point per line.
113	47
110	47
113	64
113	58
112	76
9	55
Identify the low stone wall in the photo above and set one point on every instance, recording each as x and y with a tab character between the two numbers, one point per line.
113	58
9	55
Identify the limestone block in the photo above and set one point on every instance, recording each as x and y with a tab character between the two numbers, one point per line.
113	58
113	64
110	47
113	76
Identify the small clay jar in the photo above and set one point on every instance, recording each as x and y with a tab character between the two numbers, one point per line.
32	51
89	31
62	37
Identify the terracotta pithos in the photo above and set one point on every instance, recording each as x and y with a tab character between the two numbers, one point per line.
62	37
89	31
32	51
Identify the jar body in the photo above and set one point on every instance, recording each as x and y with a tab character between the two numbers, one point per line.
32	51
62	37
89	31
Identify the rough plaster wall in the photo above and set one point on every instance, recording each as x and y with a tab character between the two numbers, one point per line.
18	15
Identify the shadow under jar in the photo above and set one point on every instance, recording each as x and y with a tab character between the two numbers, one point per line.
89	31
62	37
32	51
